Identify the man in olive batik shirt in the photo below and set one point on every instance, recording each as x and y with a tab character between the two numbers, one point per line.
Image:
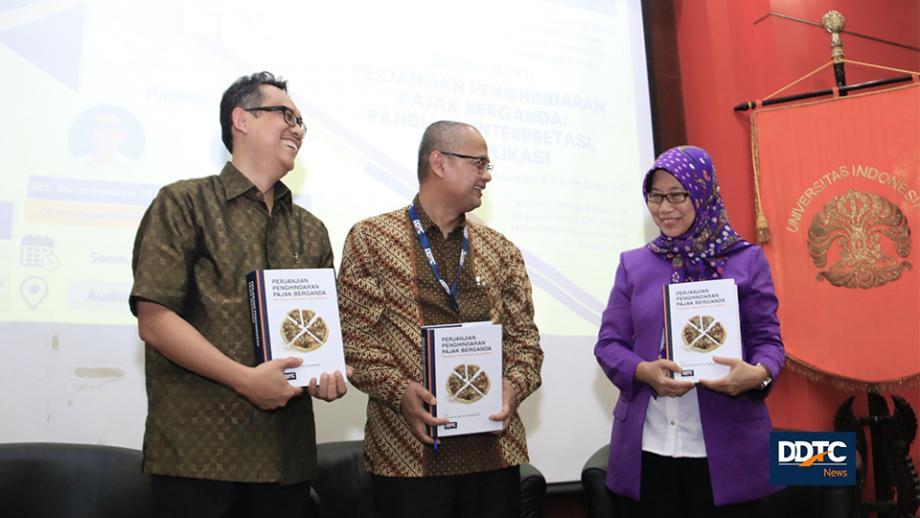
222	434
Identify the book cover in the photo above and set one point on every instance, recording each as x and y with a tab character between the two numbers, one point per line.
296	313
702	321
463	370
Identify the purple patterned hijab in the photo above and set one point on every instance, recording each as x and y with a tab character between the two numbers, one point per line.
701	252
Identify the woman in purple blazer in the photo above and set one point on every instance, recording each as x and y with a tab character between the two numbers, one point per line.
679	449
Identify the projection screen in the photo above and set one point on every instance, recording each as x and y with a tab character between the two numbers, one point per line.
107	101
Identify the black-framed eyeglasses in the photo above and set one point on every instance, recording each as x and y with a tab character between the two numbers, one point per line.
289	117
673	197
482	163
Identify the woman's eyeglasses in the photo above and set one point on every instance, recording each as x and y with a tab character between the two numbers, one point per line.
673	197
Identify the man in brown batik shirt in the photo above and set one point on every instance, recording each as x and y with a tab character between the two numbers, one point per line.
387	291
222	434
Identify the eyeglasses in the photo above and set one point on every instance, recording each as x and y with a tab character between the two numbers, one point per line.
482	163
289	117
673	197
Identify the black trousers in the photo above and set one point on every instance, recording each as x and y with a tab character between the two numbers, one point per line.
180	497
678	488
489	494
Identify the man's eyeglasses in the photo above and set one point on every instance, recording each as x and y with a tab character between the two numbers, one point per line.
482	163
289	117
673	197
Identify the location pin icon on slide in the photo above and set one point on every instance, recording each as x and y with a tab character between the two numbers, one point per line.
33	290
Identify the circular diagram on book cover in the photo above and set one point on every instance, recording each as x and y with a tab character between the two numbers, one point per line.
303	330
703	334
467	384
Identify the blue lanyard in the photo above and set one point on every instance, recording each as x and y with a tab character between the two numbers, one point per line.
426	247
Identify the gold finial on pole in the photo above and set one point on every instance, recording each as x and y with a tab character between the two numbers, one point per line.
834	23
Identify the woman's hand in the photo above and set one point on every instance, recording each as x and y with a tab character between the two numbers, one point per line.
655	374
741	378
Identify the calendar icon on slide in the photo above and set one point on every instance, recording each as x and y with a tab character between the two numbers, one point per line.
38	251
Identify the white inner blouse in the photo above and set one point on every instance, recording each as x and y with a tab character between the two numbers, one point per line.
672	425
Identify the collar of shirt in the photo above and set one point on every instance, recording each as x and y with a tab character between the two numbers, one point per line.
236	184
430	227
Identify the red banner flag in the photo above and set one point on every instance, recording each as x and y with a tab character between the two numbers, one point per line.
839	185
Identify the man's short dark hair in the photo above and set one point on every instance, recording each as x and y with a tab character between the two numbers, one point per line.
245	93
441	136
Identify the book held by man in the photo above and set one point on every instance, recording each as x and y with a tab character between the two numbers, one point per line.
296	313
463	370
701	321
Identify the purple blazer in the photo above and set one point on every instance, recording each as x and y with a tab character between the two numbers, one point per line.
735	429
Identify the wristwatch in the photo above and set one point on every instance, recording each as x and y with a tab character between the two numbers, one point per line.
769	379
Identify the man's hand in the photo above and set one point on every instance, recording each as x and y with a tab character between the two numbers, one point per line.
742	377
509	405
331	385
655	374
265	385
414	412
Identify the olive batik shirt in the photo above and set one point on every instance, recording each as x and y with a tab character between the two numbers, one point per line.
196	243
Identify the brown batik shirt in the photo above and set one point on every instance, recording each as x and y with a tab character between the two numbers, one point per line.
195	244
387	291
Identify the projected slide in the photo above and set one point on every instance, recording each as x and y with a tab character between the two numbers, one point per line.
107	101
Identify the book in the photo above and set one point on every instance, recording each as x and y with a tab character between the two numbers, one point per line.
296	313
701	321
463	369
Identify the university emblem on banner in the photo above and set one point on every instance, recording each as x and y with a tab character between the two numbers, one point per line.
859	222
839	188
